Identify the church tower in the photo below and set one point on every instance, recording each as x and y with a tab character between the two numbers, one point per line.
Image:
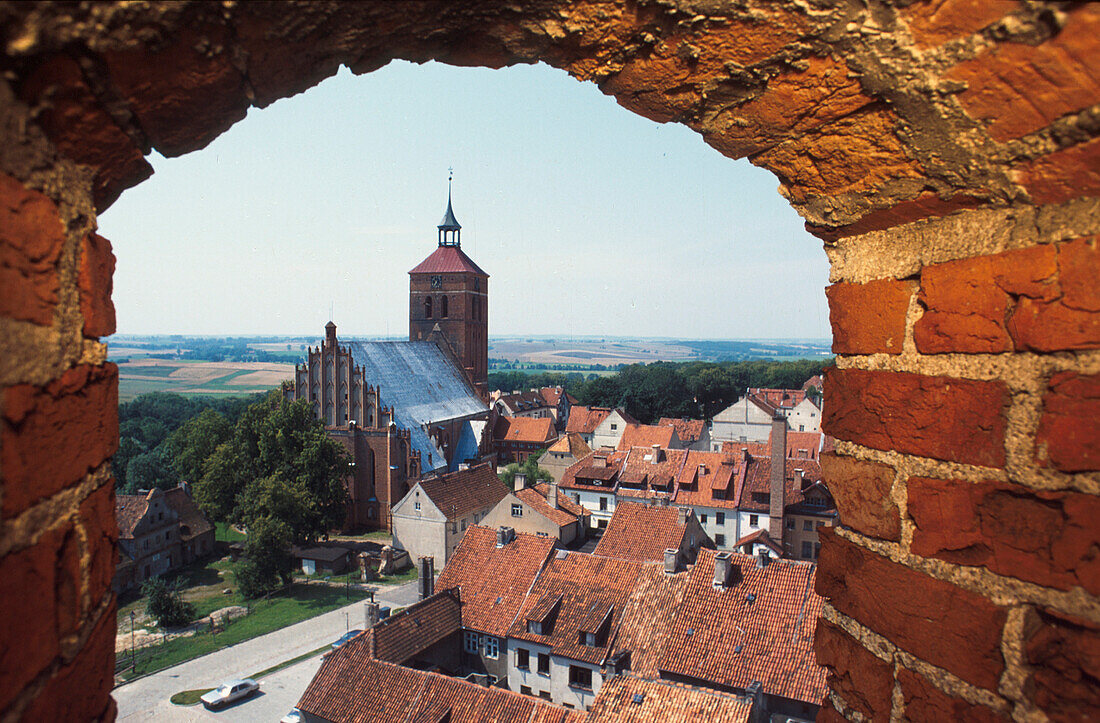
449	295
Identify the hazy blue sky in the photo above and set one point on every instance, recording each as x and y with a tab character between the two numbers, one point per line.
589	219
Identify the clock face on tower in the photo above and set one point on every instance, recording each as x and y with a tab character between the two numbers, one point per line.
437	282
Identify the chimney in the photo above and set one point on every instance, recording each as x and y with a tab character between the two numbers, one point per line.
373	615
762	558
670	561
505	535
425	582
681	515
755	694
801	479
656	453
520	481
721	569
778	479
552	495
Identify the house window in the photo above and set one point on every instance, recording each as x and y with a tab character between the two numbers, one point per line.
719	518
580	677
817	549
603	504
544	664
544	694
523	658
517	510
454	528
614	426
464	525
703	519
526	690
754	520
802	428
471	642
808	525
416	506
534	627
145	545
491	647
790	524
807	550
601	524
720	540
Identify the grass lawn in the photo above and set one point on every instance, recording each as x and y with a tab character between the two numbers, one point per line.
300	602
224	533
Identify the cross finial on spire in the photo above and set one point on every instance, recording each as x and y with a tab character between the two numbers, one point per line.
449	226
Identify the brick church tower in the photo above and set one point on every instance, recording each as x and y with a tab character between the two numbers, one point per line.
449	295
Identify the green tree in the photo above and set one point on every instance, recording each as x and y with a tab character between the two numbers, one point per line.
165	604
530	467
194	443
150	470
268	563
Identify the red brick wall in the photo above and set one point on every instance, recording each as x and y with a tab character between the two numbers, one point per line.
945	151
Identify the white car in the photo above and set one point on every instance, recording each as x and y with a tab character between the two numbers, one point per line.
229	691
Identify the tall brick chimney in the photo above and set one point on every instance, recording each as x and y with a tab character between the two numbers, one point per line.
425	577
779	472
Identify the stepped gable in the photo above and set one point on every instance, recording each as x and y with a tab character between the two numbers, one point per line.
493	581
759	626
641	532
457	494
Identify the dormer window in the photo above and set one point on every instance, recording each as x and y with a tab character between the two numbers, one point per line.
534	627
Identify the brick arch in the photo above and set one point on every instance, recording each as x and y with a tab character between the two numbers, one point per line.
946	153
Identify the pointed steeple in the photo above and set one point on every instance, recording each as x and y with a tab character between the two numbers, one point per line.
449	227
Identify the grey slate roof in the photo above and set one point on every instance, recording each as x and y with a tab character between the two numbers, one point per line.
422	385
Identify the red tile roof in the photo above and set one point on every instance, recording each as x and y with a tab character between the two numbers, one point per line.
586	471
710	479
644	477
761	537
401	637
629	699
726	637
567	512
524	401
687	430
352	687
777	398
538	430
804	445
192	521
129	509
647	435
814	381
493	581
584	420
457	494
447	259
641	532
647	619
572	444
758	482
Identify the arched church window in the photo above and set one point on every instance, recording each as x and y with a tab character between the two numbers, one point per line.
477	308
443	308
428	308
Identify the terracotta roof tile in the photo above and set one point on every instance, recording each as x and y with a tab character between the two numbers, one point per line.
647	435
493	581
687	430
756	493
762	537
599	466
728	638
551	395
641	532
628	699
584	420
645	477
192	521
566	513
524	401
571	443
129	509
401	637
805	445
710	479
528	429
647	619
447	259
777	398
457	494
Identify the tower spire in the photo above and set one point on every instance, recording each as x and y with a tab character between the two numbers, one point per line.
449	227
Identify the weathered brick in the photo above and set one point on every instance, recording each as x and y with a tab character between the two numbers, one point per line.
1068	437
967	302
862	493
925	702
926	205
869	318
938	622
934	23
80	691
1039	84
957	420
97	268
1072	319
28	626
82	130
828	714
97	515
68	586
51	436
31	237
184	94
1069	173
1064	654
865	682
1049	538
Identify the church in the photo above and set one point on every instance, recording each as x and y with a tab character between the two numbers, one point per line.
404	409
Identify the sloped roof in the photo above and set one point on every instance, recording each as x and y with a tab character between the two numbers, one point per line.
457	494
646	619
129	509
758	481
422	385
630	699
400	637
647	435
448	260
688	430
523	401
566	513
353	687
761	537
192	521
493	581
641	532
527	429
572	444
642	477
710	479
772	399
724	637
584	420
580	474
551	395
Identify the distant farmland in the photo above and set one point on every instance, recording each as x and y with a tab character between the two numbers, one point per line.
139	376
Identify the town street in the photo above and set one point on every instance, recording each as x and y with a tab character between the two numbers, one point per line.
148	698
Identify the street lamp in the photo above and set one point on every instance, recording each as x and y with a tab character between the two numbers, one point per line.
347	623
133	654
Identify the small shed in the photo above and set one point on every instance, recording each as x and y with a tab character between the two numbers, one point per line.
322	559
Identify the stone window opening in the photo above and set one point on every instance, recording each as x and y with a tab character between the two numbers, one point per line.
428	308
443	307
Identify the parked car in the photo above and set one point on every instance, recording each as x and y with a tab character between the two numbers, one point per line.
345	638
294	716
229	691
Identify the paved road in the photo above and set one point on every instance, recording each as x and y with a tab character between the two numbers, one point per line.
147	699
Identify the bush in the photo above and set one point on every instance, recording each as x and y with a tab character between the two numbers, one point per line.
165	604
